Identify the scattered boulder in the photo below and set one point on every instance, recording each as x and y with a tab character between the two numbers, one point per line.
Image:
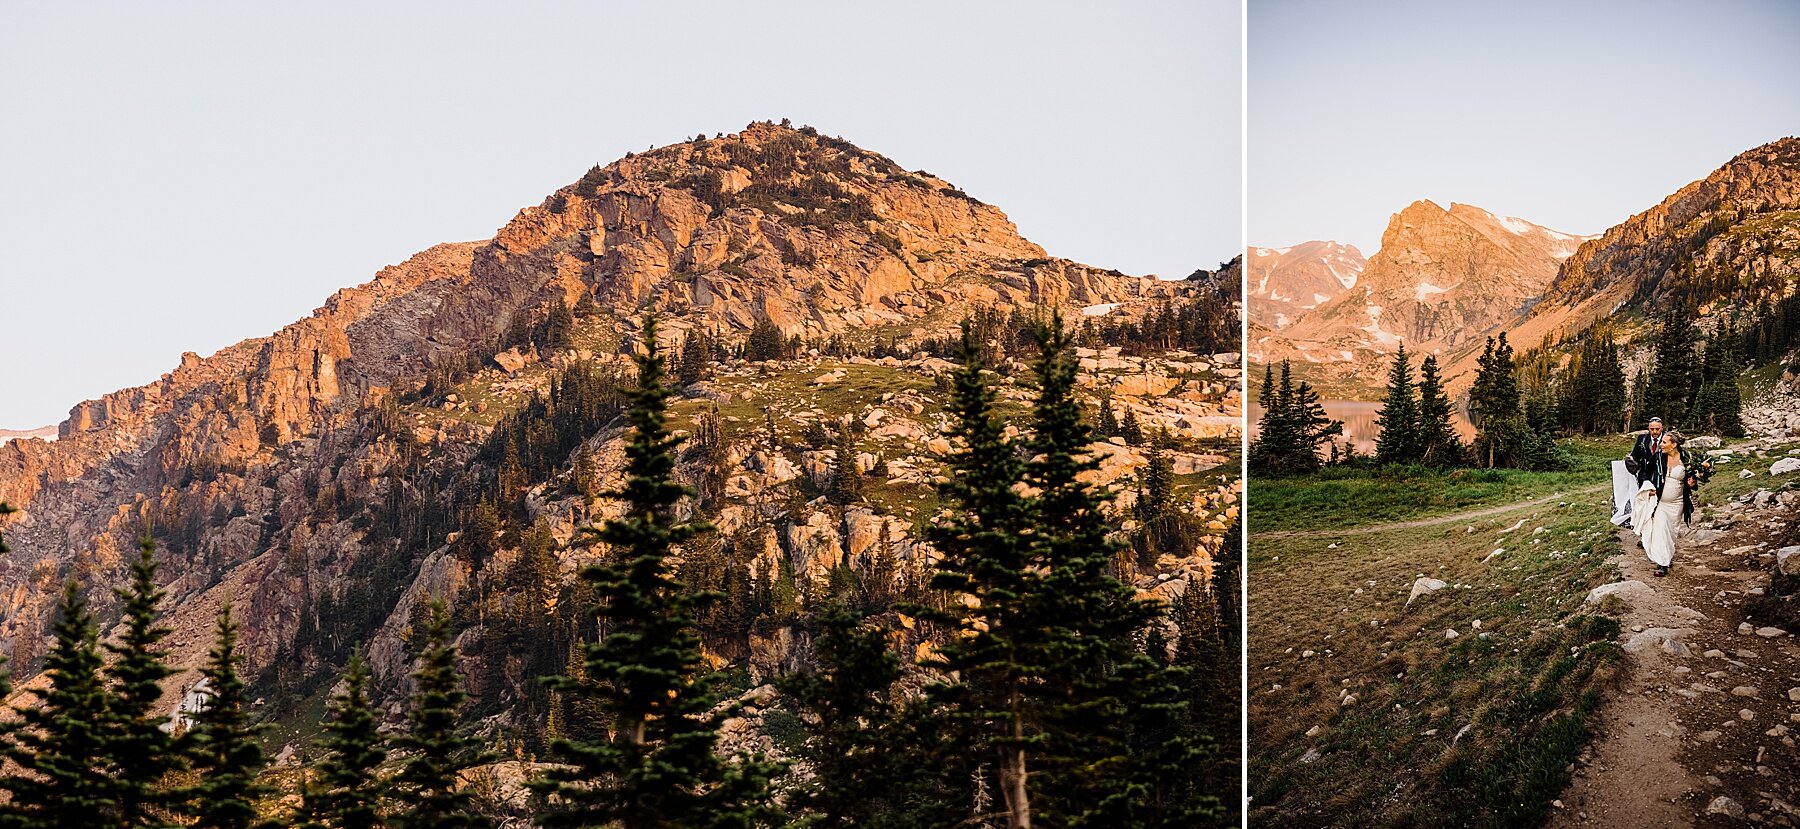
1625	590
1723	805
1423	586
1784	466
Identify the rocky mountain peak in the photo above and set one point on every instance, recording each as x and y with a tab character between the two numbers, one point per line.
261	465
1443	277
1285	283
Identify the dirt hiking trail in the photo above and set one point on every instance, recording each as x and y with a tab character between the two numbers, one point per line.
1700	729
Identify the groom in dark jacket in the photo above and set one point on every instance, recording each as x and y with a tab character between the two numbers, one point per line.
1644	452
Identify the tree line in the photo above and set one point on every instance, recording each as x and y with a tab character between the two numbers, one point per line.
1058	698
1521	403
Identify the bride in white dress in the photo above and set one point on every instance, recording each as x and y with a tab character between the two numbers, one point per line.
1664	498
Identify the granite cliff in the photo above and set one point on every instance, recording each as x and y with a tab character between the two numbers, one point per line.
326	477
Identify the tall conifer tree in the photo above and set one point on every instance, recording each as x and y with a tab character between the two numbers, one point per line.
144	750
348	790
429	784
63	742
1675	371
658	768
1400	440
223	747
1437	431
1094	774
1494	405
999	647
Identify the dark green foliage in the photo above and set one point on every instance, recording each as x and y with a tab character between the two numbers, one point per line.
1093	774
1718	405
987	555
697	355
1157	486
5	510
846	476
1401	439
657	768
427	785
62	741
10	816
223	746
1675	371
867	770
1495	408
1109	424
1205	323
765	342
1130	429
347	792
1292	427
144	752
1437	432
1052	683
1773	331
1593	399
547	330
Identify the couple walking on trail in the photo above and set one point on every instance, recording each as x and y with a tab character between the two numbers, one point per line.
1653	488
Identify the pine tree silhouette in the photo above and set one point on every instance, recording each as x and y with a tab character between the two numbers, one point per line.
428	785
144	750
658	767
1401	440
222	746
62	740
347	792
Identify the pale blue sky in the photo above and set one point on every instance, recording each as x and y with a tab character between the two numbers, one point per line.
180	176
1573	115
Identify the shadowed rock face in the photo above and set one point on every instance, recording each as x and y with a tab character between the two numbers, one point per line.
251	463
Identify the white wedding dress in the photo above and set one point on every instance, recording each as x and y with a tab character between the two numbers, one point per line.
1655	515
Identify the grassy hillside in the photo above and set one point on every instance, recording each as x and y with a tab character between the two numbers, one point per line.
1464	707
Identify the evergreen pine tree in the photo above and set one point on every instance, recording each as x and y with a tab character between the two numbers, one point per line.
428	783
348	789
998	648
5	510
846	476
1675	374
1400	440
1130	429
1718	406
1441	446
223	747
1728	411
10	811
62	740
695	363
1292	428
1494	405
1158	480
1093	775
1109	419
658	768
1311	425
138	743
866	772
